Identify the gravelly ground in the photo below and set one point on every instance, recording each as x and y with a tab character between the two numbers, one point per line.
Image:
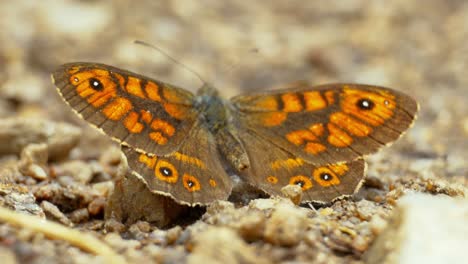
417	48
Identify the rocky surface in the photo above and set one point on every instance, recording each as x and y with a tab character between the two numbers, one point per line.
423	229
53	166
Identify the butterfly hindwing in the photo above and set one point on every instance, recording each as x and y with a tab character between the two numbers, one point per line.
192	175
327	124
272	168
135	110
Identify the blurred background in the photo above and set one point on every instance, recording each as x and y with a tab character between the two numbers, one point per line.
417	47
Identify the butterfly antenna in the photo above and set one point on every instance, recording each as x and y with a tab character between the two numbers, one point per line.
235	63
171	58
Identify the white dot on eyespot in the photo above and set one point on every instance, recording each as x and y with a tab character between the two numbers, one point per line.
365	103
76	79
386	102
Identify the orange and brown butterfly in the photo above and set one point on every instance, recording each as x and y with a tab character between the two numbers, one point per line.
178	143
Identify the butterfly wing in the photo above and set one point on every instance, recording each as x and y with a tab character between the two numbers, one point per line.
327	124
272	168
192	175
134	110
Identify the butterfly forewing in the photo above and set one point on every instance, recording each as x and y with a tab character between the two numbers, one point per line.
145	114
327	124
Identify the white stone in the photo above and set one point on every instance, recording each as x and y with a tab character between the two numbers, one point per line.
424	229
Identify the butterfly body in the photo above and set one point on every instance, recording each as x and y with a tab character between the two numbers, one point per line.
217	115
176	142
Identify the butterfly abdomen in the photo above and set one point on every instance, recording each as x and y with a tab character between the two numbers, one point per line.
214	113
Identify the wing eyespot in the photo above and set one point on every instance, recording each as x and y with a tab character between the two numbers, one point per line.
365	104
191	183
326	177
165	171
95	84
273	179
302	181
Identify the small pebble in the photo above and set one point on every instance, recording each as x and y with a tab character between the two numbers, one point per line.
287	225
173	234
33	161
54	212
79	216
113	225
252	226
97	206
377	224
293	192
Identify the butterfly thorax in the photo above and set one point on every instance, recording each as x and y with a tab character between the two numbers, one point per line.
212	109
216	114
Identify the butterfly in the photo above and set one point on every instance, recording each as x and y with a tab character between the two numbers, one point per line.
180	144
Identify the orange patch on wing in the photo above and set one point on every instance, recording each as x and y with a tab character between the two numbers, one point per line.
317	129
165	171
288	163
212	183
339	168
147	160
120	78
98	99
191	183
158	138
83	87
325	177
152	90
116	109
273	118
179	112
131	123
350	124
272	179
268	103
314	148
291	103
172	96
298	137
134	87
382	110
314	101
165	127
304	182
100	72
338	137
84	76
84	90
189	159
330	95
146	116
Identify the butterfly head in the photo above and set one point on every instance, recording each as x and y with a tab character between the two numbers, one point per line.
207	90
